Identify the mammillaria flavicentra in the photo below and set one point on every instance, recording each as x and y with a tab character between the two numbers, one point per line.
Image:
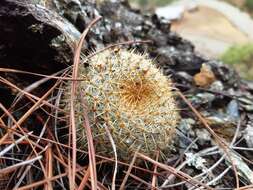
127	93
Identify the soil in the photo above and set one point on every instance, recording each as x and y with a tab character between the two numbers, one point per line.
219	33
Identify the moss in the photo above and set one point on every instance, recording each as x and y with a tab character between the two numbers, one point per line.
249	5
241	57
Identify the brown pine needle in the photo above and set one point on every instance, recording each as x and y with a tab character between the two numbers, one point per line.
154	179
72	113
49	167
40	75
84	180
91	149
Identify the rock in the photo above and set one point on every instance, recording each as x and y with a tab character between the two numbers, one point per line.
172	13
248	136
205	77
204	136
233	110
217	86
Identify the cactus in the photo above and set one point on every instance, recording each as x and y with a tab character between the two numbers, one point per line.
127	93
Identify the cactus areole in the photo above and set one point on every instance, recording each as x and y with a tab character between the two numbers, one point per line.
126	93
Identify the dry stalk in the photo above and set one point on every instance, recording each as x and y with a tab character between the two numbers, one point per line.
72	113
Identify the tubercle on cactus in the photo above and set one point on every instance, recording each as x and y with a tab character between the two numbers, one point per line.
127	93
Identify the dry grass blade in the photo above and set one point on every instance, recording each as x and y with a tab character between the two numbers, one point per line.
72	112
219	141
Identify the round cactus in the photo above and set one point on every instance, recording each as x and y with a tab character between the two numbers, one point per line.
127	93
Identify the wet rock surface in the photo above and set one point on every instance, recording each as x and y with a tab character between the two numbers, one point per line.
48	30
